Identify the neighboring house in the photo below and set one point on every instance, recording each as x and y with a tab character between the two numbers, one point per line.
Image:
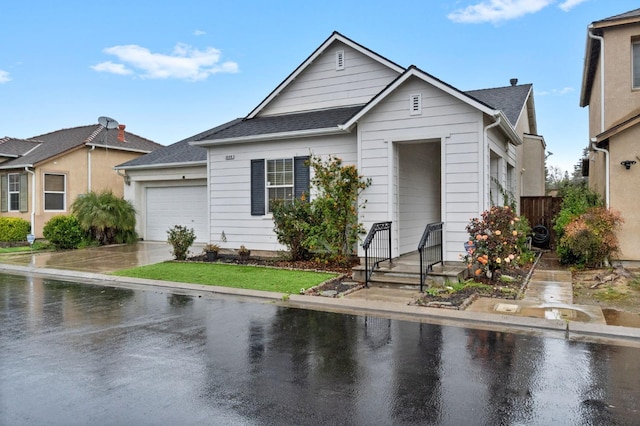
611	90
60	166
430	149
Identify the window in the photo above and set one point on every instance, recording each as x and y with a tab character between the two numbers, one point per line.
339	60
415	104
635	58
14	192
54	192
280	179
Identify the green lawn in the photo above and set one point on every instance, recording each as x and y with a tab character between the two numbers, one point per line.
225	275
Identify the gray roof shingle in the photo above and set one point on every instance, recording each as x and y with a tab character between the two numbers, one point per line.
509	99
55	143
12	147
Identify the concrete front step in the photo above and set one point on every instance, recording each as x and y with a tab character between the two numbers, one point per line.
408	276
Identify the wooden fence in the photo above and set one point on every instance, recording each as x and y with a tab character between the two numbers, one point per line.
541	211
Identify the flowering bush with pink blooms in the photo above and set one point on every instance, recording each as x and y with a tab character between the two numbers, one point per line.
498	241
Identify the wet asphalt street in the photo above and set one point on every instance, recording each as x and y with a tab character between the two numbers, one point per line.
87	354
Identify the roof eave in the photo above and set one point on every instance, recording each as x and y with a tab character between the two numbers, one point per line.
587	70
117	148
162	165
272	136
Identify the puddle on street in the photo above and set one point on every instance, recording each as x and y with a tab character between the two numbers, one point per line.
621	318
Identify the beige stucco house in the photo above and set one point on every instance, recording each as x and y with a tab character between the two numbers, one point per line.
40	177
611	90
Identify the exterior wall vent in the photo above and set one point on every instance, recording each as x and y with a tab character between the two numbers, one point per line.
339	60
415	104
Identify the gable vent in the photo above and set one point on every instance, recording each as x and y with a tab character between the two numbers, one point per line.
339	60
415	104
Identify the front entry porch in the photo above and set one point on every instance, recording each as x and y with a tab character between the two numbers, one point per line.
404	273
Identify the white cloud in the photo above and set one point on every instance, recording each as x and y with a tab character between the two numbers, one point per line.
557	92
201	33
112	68
567	5
498	10
185	62
4	77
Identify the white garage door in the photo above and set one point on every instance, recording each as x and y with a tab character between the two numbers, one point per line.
176	205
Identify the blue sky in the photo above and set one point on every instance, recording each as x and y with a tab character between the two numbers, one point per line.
169	70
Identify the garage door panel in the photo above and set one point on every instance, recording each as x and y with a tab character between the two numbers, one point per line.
176	205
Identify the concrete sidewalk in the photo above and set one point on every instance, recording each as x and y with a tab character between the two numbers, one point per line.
546	306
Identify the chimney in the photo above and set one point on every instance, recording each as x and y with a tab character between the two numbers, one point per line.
121	132
513	81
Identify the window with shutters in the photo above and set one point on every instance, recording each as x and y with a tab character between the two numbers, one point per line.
415	104
54	192
339	60
14	192
279	181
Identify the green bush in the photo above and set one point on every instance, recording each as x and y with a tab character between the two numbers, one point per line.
64	232
589	239
293	224
107	218
576	200
180	237
13	229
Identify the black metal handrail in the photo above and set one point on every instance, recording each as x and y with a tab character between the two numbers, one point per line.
430	249
377	248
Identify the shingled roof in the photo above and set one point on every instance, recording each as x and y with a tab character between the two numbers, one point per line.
56	143
510	99
13	148
181	152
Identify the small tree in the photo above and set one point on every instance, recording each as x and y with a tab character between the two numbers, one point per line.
293	224
335	207
181	238
107	218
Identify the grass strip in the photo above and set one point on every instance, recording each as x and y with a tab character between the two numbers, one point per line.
225	275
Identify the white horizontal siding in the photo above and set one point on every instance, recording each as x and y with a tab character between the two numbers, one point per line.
321	86
230	186
443	118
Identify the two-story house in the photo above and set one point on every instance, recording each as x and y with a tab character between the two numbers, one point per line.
611	90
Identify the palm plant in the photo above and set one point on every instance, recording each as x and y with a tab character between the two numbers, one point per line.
107	218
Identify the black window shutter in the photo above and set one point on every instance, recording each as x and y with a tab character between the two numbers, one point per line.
4	187
257	188
301	178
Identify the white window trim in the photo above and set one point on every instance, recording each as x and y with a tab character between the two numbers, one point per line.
415	104
10	192
45	192
267	186
340	60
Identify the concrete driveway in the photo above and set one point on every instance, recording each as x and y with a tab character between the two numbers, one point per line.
96	259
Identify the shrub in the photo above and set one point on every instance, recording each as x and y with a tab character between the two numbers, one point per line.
14	229
590	239
293	224
180	237
64	232
499	237
107	218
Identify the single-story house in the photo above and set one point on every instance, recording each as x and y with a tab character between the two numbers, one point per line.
40	177
433	152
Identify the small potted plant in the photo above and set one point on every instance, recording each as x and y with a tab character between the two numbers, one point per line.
211	251
244	253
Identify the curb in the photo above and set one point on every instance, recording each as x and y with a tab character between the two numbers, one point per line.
563	329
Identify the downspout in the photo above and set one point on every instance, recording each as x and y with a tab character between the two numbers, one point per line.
593	140
485	163
33	199
89	168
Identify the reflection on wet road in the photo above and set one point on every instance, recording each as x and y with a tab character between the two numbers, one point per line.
85	354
